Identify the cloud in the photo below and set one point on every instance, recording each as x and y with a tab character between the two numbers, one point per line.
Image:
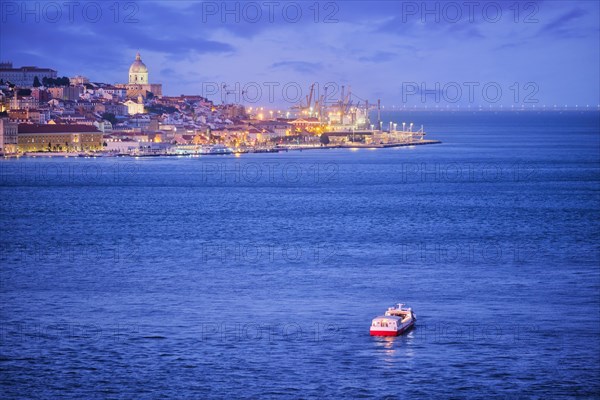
561	25
363	49
298	66
168	72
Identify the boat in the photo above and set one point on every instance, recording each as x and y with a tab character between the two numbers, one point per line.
396	320
218	149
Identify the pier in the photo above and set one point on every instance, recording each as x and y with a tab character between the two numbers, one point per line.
359	145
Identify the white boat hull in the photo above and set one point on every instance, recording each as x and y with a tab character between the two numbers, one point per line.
396	321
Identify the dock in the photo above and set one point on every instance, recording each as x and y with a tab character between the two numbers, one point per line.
360	145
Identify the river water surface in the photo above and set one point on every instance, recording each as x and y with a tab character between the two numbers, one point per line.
258	276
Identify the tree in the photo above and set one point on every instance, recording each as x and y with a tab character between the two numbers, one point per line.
52	82
110	117
324	139
36	82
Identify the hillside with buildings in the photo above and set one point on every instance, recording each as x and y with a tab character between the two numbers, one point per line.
42	112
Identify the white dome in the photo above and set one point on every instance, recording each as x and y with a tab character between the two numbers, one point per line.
138	67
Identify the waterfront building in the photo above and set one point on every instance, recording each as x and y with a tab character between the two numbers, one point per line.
24	76
55	137
280	128
8	136
305	123
115	144
134	135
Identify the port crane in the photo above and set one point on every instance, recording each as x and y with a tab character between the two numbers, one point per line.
347	110
304	109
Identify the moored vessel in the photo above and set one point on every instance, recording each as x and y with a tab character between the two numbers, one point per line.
218	149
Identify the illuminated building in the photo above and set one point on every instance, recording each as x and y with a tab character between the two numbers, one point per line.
34	137
8	136
24	76
134	107
138	81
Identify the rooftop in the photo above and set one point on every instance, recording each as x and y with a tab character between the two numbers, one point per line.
9	67
59	128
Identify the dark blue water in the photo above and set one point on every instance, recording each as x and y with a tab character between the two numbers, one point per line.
257	276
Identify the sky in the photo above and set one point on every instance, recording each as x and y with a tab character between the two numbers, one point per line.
268	53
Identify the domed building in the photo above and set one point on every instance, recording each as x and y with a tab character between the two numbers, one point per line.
138	72
138	81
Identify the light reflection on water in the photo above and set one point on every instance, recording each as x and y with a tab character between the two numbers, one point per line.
391	349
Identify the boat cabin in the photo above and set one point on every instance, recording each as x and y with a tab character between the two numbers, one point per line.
386	322
399	311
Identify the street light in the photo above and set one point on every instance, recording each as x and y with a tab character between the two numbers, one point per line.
404	126
411	125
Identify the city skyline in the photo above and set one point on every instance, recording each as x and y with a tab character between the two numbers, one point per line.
402	52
